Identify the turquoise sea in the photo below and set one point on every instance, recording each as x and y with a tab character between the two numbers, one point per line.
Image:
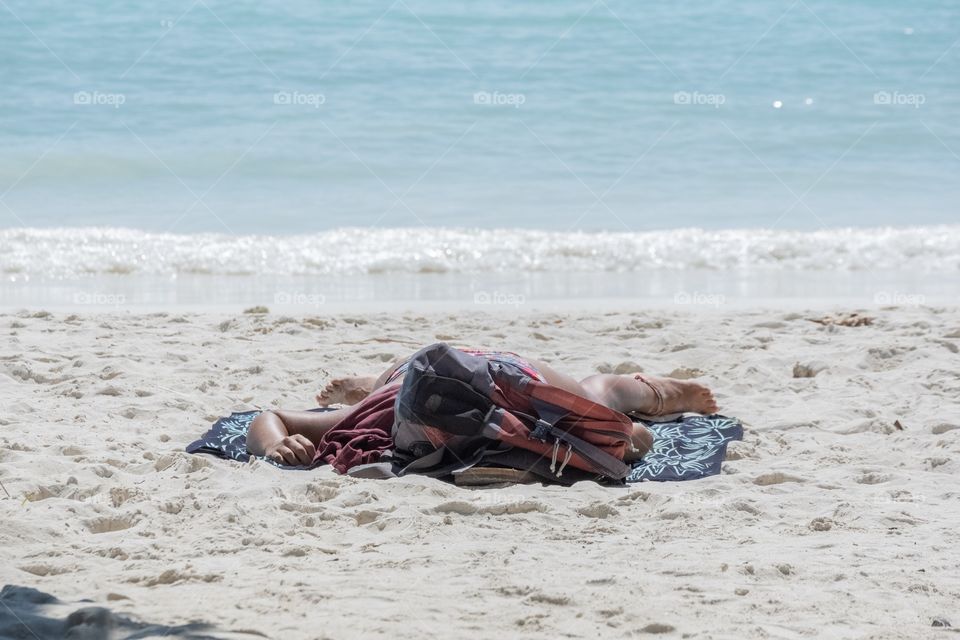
390	124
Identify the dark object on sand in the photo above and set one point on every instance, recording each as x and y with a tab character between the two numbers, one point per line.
28	614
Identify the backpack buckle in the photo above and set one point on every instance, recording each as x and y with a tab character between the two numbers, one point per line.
541	430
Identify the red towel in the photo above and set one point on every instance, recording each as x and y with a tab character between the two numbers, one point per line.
363	435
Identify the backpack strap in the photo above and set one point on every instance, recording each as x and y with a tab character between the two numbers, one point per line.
432	463
550	414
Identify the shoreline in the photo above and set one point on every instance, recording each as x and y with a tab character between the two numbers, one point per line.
698	289
580	306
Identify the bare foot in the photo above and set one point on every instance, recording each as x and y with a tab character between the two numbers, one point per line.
642	441
678	396
346	390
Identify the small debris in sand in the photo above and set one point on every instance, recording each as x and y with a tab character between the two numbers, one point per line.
820	524
844	320
808	369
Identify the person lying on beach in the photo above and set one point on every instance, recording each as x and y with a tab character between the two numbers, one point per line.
291	437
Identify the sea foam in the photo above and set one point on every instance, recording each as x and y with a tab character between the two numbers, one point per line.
77	252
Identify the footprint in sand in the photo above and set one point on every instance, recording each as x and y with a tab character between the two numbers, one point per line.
884	358
110	524
110	390
171	576
73	450
545	598
120	495
599	510
821	524
494	508
775	477
44	570
366	516
658	627
873	478
109	373
744	506
383	356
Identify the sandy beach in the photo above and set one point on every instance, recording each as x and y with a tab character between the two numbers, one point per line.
219	207
835	517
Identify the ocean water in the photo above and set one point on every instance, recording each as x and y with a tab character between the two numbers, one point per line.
144	142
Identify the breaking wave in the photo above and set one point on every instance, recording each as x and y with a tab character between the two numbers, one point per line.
75	252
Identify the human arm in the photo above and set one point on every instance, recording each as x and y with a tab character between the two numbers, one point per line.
290	437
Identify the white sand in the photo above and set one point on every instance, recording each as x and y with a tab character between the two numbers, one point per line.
827	521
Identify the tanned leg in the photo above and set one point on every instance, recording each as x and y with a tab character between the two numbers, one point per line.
601	390
630	394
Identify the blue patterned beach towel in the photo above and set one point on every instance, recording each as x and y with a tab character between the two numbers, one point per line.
687	448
